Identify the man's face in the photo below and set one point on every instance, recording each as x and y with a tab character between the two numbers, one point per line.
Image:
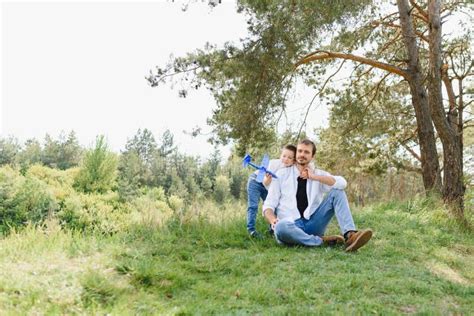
304	154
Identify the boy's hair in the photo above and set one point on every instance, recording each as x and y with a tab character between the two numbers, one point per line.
291	148
307	142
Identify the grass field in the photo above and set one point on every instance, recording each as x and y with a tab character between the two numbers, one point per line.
418	262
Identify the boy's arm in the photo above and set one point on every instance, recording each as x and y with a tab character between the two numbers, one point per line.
271	202
267	180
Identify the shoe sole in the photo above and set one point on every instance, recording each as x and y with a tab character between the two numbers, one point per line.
360	241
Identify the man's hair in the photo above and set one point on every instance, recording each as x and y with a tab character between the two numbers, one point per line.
307	142
291	148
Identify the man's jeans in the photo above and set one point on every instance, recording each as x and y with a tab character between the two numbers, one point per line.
255	192
305	232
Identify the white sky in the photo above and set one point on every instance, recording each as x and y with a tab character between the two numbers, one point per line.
81	66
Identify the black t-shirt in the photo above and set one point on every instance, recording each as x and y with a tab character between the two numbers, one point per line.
301	196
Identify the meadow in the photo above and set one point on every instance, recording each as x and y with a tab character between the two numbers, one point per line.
202	262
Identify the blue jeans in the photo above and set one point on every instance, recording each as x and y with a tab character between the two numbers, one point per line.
255	192
306	232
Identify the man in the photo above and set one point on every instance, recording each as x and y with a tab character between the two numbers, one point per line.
299	213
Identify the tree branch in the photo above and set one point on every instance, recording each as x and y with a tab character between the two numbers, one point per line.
420	10
411	151
321	55
319	92
391	24
376	88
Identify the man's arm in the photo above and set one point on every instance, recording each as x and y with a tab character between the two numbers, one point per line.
327	180
270	217
337	182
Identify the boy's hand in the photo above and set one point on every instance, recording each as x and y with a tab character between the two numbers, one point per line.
306	174
267	179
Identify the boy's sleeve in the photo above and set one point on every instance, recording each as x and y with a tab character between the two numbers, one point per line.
273	196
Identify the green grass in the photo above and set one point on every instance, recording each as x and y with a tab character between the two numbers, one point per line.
418	262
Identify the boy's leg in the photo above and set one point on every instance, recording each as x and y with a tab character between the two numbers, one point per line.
335	203
253	197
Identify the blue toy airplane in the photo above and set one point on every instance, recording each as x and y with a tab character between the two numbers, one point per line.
262	169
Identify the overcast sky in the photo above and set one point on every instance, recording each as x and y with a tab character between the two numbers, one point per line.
81	66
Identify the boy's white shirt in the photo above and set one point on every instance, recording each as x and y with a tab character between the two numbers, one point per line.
281	196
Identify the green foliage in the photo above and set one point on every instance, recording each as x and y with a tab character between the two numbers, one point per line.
23	200
143	144
151	209
130	175
251	81
419	261
167	146
222	189
9	149
98	169
176	204
30	155
98	290
63	153
93	212
206	185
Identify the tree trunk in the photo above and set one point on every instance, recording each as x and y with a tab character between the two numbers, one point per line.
429	156
453	188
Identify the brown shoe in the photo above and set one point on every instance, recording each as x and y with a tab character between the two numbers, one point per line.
357	239
333	240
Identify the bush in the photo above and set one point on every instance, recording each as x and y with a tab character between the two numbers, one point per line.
98	170
176	204
150	209
222	188
93	212
60	182
23	199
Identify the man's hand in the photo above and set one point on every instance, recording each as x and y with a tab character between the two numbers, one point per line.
270	217
275	221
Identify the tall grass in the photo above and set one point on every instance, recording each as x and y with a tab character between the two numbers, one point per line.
201	261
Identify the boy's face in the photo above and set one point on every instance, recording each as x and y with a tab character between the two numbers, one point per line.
287	157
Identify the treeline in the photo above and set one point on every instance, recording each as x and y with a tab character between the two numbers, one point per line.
147	163
101	190
149	180
144	163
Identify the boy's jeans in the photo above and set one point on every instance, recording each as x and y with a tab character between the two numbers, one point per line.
305	232
255	192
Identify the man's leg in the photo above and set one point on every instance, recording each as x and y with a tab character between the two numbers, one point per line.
335	203
291	233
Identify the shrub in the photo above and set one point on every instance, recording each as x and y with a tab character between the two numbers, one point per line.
23	199
60	182
98	170
150	209
93	212
176	204
221	191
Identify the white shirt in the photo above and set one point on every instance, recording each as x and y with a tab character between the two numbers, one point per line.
281	196
273	165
